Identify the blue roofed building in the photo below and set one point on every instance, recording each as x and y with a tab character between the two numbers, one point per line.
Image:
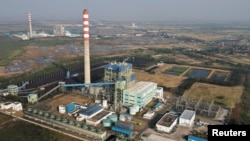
195	138
91	111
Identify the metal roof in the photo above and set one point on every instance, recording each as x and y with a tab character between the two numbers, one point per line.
140	87
187	114
91	110
195	138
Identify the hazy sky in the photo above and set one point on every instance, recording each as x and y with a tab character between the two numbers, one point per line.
198	10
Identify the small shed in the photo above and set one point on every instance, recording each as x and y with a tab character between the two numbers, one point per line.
187	118
32	98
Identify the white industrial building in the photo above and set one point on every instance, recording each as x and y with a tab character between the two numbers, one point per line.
187	118
139	94
6	105
149	115
17	106
167	123
96	119
89	112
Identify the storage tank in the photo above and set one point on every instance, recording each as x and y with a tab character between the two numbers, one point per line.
34	111
71	122
137	108
132	110
122	118
40	113
92	129
105	103
46	114
113	118
84	126
52	116
62	109
64	120
58	118
77	124
70	107
99	131
106	122
29	109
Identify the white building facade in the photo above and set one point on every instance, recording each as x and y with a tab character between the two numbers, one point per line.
187	118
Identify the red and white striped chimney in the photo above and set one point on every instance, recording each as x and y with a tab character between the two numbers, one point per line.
86	46
30	25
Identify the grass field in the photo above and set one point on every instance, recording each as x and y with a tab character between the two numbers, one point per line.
4	118
159	78
22	131
226	96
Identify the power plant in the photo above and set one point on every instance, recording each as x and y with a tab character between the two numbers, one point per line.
86	46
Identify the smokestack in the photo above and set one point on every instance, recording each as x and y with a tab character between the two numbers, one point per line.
86	46
30	26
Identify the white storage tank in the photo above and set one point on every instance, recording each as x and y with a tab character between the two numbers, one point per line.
62	109
132	110
104	103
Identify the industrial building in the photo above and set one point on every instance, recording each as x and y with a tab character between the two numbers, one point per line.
13	89
187	118
149	115
123	127
121	73
6	105
16	106
139	94
90	112
167	123
32	98
98	118
65	124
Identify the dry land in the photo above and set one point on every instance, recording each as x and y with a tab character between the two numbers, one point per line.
227	96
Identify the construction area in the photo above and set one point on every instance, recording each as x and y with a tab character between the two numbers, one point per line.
205	109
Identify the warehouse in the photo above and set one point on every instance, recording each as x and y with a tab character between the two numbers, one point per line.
139	94
167	123
98	118
17	106
187	118
6	105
